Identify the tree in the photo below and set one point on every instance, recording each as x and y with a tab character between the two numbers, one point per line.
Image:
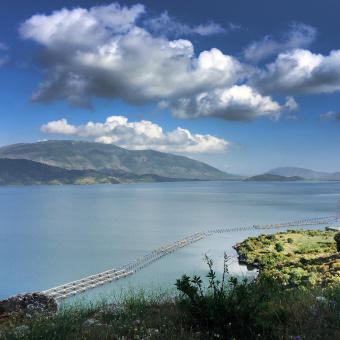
279	246
337	240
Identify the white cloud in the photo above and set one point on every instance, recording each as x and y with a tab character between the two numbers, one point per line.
301	71
105	52
291	104
89	54
139	136
80	28
165	25
238	103
299	36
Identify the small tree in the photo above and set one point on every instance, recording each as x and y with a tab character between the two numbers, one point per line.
279	246
337	240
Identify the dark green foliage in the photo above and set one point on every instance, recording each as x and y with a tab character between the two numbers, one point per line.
228	308
290	240
279	246
337	240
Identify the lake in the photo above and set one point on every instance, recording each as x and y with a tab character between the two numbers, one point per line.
51	235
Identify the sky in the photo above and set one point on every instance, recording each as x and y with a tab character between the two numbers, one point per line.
243	85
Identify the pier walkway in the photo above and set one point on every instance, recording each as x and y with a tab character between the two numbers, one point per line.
128	269
90	282
314	221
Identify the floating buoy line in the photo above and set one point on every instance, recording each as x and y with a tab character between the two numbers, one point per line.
128	269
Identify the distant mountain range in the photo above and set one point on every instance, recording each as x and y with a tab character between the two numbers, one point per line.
76	162
98	163
305	174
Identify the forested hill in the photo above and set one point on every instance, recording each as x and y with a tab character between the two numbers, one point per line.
78	155
26	172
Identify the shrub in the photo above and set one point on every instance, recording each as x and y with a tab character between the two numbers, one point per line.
337	240
279	246
228	308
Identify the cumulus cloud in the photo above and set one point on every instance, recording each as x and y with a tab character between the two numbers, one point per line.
299	36
139	136
301	72
112	52
80	28
238	103
165	25
98	53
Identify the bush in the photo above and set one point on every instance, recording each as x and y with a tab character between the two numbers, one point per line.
228	308
290	240
337	240
279	246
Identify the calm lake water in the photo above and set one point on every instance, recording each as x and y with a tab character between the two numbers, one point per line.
51	235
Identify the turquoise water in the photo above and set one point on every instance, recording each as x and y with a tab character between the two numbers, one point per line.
51	235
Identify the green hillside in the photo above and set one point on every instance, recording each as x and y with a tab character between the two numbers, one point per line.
26	172
76	155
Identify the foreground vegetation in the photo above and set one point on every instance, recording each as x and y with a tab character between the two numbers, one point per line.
208	308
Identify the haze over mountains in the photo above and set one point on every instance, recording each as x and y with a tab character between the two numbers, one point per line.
105	158
305	173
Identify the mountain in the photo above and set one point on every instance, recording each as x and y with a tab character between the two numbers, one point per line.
25	172
305	173
269	177
78	155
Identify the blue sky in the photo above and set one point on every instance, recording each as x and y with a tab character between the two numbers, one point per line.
245	86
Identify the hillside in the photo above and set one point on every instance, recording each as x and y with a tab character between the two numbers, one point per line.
77	155
270	177
25	172
305	173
